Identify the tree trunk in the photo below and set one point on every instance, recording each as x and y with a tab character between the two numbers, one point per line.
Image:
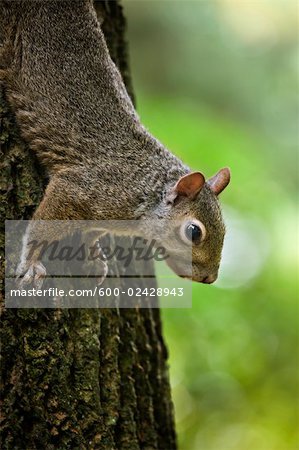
77	378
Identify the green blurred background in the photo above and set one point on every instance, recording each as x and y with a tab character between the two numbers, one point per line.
217	83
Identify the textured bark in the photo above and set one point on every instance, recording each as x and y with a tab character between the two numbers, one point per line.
84	378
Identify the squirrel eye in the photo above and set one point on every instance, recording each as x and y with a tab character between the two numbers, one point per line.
193	232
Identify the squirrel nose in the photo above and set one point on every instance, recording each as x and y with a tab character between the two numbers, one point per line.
209	279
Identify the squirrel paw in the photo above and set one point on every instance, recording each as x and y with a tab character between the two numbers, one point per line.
98	266
33	274
104	268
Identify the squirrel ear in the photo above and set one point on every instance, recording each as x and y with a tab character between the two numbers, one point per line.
188	186
219	181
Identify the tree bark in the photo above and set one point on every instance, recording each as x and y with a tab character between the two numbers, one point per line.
77	378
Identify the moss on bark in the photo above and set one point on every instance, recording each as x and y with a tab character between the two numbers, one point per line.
85	378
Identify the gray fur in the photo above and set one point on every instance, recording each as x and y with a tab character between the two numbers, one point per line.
74	111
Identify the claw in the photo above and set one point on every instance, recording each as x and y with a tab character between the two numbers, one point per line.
98	253
98	266
101	278
34	274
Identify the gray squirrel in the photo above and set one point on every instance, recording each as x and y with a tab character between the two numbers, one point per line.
73	110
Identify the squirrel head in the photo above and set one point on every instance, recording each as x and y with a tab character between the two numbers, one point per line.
192	203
